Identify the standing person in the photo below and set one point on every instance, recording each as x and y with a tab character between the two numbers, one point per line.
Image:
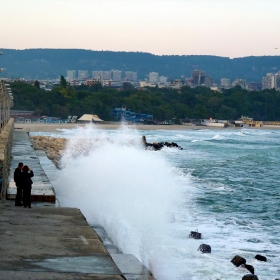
18	181
26	175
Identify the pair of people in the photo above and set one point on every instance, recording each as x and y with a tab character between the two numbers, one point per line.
22	178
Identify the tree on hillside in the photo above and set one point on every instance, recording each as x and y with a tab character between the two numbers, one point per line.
63	82
37	84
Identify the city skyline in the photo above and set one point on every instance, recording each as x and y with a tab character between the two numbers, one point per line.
179	27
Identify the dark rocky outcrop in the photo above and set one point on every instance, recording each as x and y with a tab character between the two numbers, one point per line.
249	268
159	145
237	260
195	235
260	258
204	248
250	277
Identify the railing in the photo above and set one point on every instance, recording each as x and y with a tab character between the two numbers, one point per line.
6	102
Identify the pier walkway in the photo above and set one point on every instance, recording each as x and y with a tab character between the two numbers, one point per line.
49	242
22	151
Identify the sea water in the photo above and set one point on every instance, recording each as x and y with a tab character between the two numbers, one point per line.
224	183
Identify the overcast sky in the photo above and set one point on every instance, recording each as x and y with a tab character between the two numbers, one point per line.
233	28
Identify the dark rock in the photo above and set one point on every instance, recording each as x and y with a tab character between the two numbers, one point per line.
237	260
195	235
158	146
250	277
204	248
260	258
249	267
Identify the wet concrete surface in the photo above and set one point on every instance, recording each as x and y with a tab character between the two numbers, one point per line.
41	242
22	151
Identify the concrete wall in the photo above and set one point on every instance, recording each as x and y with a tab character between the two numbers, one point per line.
6	141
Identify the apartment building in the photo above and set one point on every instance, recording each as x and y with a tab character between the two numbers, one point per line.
201	78
225	83
82	74
130	76
71	75
116	75
271	81
239	82
97	75
153	77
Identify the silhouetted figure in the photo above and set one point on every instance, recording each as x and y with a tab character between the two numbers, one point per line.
26	175
18	182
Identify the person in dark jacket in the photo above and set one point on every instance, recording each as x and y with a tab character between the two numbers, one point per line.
18	182
26	175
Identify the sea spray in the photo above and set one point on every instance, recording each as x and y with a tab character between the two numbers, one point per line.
148	202
131	192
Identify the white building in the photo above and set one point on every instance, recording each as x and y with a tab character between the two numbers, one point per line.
97	75
271	81
225	83
82	74
130	76
106	75
239	82
153	77
117	75
71	75
163	79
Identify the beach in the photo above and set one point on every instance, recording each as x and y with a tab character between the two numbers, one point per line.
50	127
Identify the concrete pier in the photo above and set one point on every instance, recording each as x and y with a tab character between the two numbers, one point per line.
48	242
51	243
22	151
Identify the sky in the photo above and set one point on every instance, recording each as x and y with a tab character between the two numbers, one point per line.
230	28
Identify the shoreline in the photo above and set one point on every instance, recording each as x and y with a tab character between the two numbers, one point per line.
39	127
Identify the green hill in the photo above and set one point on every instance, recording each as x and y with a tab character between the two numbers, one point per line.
51	63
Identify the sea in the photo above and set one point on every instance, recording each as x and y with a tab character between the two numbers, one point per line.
224	184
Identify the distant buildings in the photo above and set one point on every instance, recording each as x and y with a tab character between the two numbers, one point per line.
239	82
97	75
116	75
199	78
82	74
225	83
130	76
163	79
254	86
271	81
116	78
153	77
71	75
122	114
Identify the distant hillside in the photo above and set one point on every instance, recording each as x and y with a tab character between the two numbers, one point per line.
51	63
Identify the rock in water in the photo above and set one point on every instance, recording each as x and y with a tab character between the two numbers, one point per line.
195	235
237	260
204	248
249	267
250	277
260	258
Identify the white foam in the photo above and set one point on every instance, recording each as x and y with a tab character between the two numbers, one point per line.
148	206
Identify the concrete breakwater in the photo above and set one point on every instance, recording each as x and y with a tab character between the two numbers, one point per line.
57	243
48	242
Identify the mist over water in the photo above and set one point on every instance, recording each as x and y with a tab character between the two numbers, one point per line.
149	201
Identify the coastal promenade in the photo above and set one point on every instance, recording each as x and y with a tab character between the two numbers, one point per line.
52	242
